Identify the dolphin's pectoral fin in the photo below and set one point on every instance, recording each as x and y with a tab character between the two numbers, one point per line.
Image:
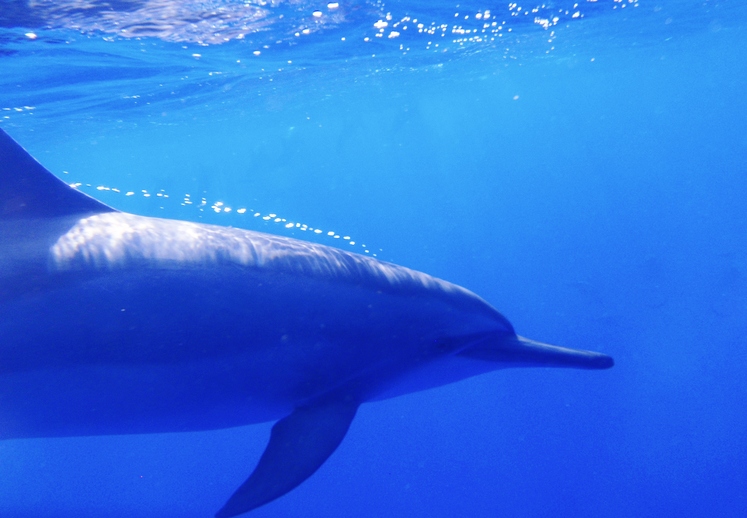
299	445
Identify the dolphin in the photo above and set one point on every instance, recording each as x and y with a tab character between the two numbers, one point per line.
113	323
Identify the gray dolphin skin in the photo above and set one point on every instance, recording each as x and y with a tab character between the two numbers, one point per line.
112	323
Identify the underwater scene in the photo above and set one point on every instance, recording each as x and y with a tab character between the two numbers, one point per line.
579	165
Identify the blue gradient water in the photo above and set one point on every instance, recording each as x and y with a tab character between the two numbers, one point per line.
586	176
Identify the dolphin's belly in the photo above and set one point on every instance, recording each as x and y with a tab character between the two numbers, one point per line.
110	400
155	350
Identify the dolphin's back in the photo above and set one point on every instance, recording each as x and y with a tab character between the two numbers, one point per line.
103	238
121	241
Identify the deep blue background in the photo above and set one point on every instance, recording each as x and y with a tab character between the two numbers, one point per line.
595	195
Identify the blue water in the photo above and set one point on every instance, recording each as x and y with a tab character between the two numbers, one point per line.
585	175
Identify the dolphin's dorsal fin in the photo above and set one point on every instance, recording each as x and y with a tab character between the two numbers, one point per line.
28	190
299	445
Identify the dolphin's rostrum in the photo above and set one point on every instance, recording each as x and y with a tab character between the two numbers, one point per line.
112	323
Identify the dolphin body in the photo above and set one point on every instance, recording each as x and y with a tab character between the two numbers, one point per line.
112	323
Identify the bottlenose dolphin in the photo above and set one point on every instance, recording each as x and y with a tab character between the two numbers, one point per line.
112	323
